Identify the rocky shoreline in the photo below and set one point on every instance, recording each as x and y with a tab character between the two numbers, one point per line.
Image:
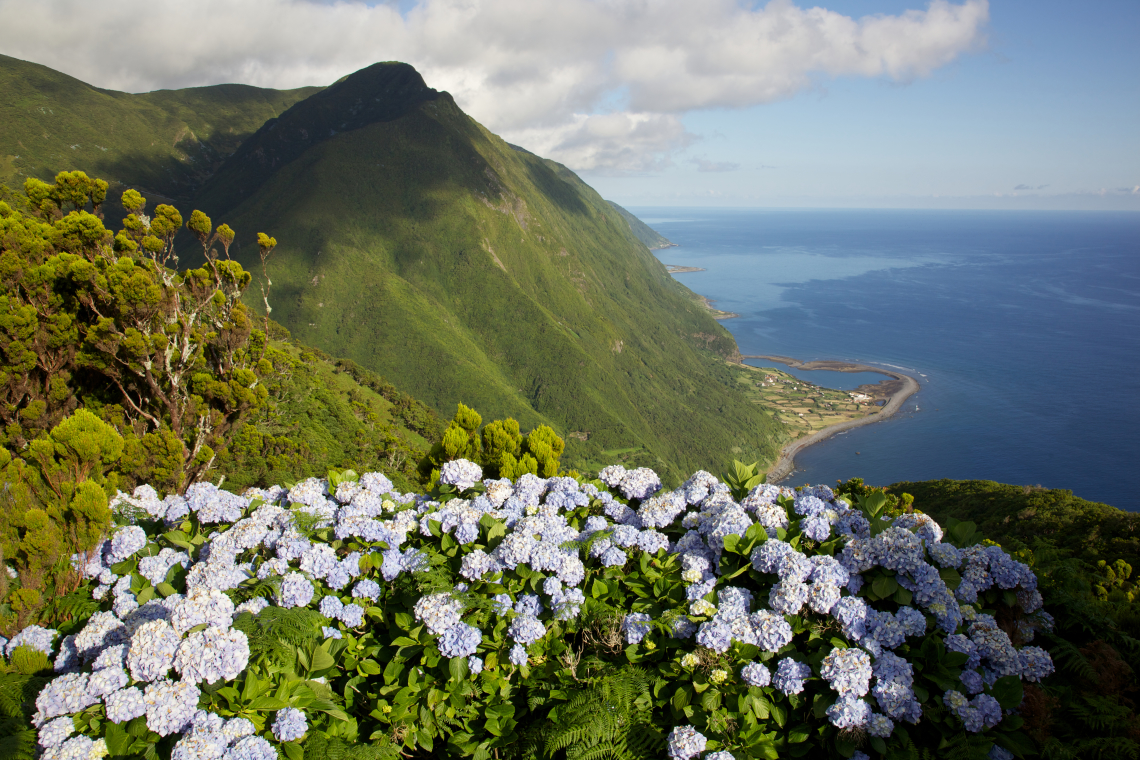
903	387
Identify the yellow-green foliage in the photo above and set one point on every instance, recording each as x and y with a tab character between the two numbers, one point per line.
501	450
172	359
54	504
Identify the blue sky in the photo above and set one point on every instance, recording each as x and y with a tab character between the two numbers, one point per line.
1051	105
877	103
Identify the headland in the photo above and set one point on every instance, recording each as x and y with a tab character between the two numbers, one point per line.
891	393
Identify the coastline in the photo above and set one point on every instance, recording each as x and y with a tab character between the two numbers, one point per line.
717	314
785	463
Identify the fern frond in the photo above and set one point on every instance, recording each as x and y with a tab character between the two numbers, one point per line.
1070	659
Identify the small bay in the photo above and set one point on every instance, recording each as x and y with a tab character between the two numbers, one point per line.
1023	329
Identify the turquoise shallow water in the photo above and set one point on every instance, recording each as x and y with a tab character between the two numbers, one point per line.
1022	327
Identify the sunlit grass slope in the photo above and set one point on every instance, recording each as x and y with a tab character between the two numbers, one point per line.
427	249
165	143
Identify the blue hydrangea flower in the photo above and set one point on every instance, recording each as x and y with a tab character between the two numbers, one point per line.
170	706
295	591
772	631
35	637
290	725
518	655
848	671
635	625
460	473
715	635
849	713
755	674
366	589
125	704
790	675
526	629
460	640
685	742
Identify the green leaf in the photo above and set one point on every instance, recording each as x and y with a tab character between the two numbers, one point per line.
458	668
178	538
321	659
502	711
166	589
884	586
118	740
951	576
145	595
1008	692
599	589
268	703
779	713
799	734
904	597
251	688
682	697
730	543
293	750
369	667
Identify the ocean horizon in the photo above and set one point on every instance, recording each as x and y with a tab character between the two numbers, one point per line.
1023	329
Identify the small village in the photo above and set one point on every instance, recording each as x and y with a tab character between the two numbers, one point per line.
803	406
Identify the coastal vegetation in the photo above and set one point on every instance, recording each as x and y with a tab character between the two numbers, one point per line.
328	569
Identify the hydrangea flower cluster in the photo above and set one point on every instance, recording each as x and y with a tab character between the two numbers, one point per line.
152	654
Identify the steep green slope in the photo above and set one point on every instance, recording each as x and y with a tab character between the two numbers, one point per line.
165	143
648	236
425	248
326	414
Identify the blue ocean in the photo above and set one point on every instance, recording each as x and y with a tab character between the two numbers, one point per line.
1022	327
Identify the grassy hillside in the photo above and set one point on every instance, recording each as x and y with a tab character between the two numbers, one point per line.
649	237
424	247
327	414
421	247
165	143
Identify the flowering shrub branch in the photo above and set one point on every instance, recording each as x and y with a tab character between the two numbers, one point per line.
535	618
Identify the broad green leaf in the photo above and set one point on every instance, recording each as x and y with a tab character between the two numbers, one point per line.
251	688
268	703
321	659
1008	692
800	733
458	668
118	740
884	586
951	576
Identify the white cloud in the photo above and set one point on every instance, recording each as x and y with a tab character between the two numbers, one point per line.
609	143
541	72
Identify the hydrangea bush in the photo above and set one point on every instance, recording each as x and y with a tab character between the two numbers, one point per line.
500	618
